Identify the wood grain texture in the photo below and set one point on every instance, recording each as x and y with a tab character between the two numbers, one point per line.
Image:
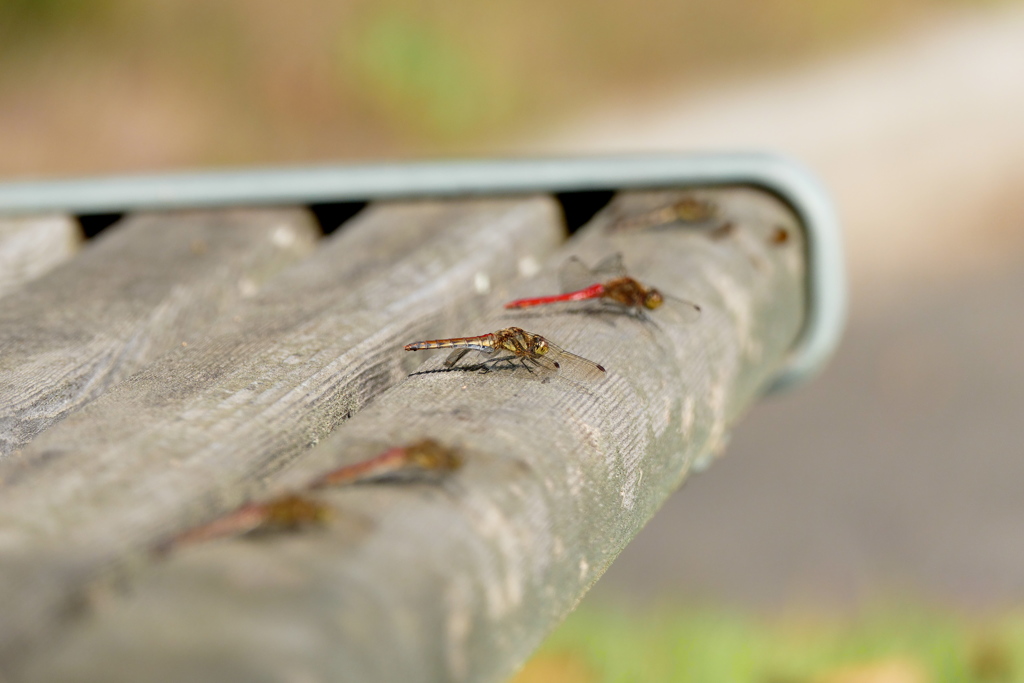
29	247
138	290
460	578
191	434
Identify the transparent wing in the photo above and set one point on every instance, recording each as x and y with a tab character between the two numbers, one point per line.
456	355
687	310
576	275
545	364
572	366
610	267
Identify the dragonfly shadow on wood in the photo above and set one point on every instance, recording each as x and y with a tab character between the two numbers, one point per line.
606	312
519	367
504	364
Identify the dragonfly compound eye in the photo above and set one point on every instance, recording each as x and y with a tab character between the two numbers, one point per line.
541	347
653	299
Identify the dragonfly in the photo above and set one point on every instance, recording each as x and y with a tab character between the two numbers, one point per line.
290	512
421	458
531	351
688	210
608	281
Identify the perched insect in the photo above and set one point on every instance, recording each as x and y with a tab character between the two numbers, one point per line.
531	351
287	513
424	457
607	281
689	210
779	235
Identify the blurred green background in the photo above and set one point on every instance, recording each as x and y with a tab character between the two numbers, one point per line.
864	529
120	85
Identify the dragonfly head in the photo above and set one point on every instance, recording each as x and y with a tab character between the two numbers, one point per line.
540	346
653	298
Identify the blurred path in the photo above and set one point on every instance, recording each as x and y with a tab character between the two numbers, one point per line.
921	140
901	470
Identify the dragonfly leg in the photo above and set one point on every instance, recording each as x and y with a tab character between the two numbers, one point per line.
489	364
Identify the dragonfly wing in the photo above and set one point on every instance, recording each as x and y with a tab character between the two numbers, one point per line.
576	275
545	363
572	366
687	310
610	268
455	356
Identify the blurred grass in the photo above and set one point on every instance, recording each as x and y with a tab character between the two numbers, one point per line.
99	85
893	644
33	18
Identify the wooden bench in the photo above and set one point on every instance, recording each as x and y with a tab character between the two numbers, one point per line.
191	367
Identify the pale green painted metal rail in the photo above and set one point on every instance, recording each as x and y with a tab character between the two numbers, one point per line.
826	284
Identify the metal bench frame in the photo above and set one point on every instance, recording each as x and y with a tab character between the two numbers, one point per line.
364	182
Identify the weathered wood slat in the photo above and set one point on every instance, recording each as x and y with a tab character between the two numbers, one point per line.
29	247
141	288
187	436
459	578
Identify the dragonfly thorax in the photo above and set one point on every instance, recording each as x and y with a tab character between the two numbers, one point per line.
629	292
520	342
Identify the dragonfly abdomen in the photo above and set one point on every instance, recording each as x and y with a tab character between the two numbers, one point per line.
591	292
482	343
